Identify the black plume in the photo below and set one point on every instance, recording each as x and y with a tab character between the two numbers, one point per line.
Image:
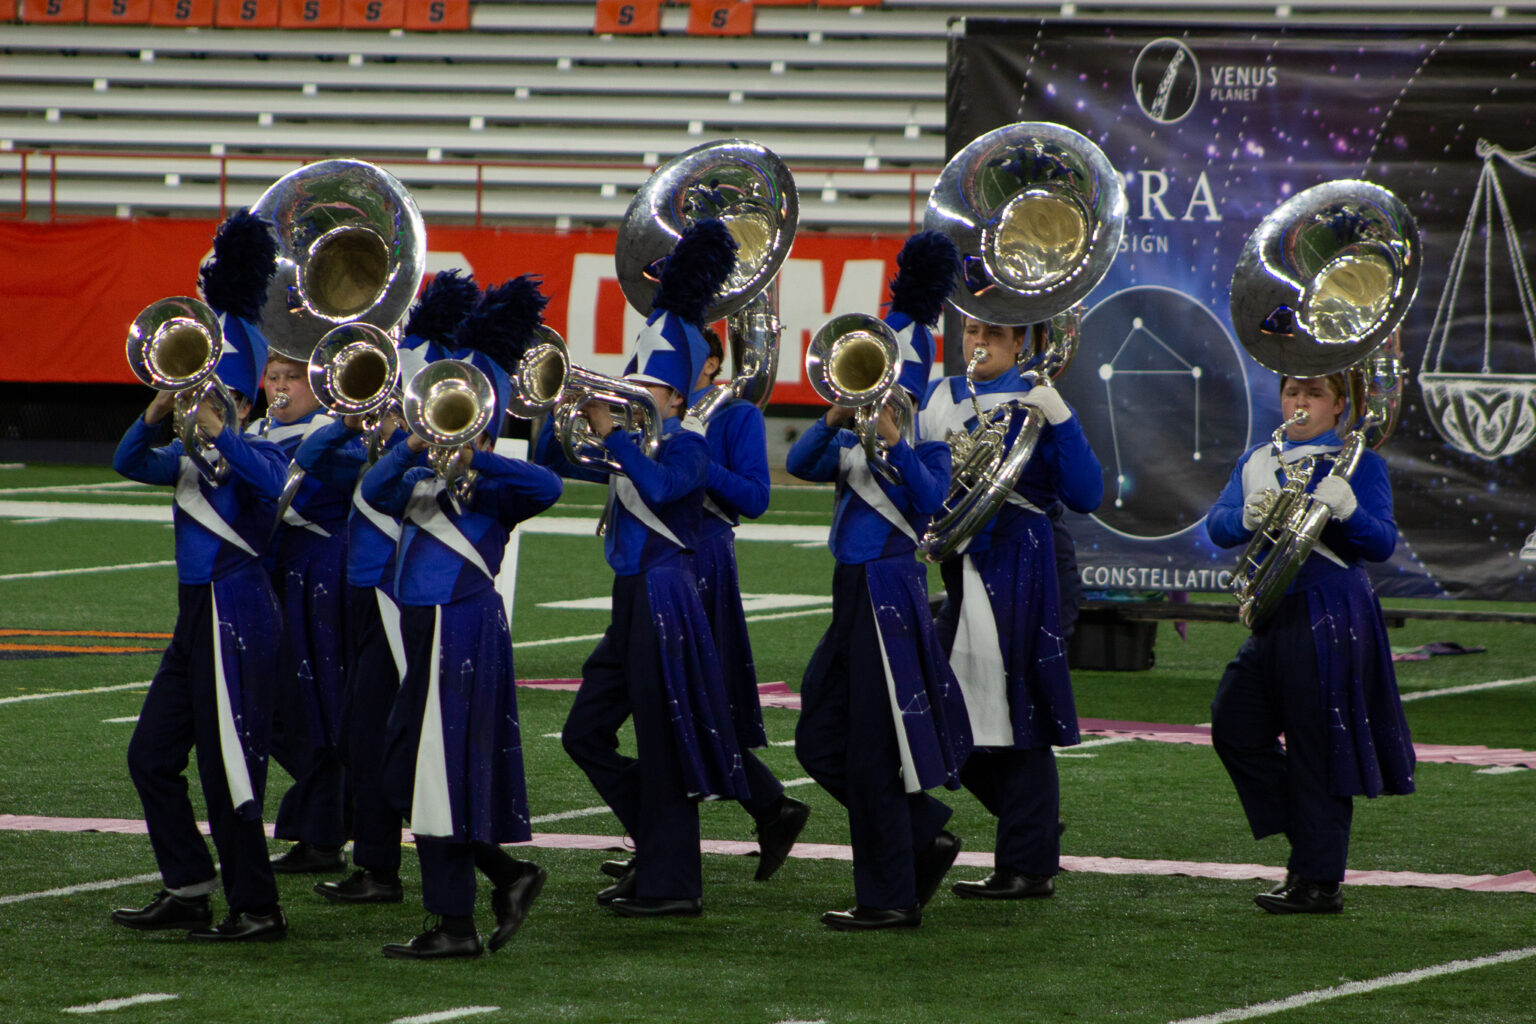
234	280
925	274
700	263
502	323
444	303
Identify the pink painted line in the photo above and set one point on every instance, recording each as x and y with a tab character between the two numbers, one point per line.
1519	881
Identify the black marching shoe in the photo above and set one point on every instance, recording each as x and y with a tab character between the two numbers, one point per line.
167	910
623	889
361	887
1303	897
511	904
304	859
242	926
635	906
617	868
776	836
869	919
1280	887
436	944
933	863
1007	885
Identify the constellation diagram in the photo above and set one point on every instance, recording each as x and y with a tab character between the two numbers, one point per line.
1486	413
1108	372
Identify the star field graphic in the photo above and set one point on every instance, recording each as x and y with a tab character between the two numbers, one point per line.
1211	129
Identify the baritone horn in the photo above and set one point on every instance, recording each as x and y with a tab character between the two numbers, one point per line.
174	345
547	382
1321	287
355	371
1036	211
747	188
853	362
448	404
351	246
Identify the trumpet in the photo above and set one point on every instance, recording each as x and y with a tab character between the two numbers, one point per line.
853	362
547	382
174	345
448	403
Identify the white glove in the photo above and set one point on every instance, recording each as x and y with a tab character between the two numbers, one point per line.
1257	508
1050	403
1335	492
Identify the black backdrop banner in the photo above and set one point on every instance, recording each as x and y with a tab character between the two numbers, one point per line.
1211	128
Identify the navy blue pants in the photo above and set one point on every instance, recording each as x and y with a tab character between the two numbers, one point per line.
448	873
846	740
621	680
1270	688
373	680
181	712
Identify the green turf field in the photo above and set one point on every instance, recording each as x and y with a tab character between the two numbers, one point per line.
1126	947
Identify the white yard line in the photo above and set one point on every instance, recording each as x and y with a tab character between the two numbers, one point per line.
41	574
70	890
107	1005
1468	688
74	693
1356	987
454	1014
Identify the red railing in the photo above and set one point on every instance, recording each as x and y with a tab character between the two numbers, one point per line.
21	208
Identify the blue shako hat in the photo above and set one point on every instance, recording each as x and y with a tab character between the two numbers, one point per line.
926	270
671	350
233	282
442	305
496	333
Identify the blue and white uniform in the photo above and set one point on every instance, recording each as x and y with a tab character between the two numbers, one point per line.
656	663
309	574
213	689
737	485
1001	625
1318	669
453	760
337	456
883	718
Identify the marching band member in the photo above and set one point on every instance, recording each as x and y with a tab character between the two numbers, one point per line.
213	689
1318	669
309	575
337	455
883	718
453	750
738	486
1001	623
656	662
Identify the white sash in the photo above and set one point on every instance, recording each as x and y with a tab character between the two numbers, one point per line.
624	489
857	472
189	497
1262	470
425	512
431	812
230	751
389	616
977	659
387	525
715	510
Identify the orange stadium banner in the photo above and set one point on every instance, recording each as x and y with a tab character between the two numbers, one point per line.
373	14
168	13
627	17
246	13
437	15
117	12
8	10
720	18
309	14
43	268
52	11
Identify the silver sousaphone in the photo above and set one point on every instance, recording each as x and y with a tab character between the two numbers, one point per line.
1321	286
749	189
1036	211
351	247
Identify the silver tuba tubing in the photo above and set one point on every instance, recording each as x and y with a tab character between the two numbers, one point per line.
448	404
174	345
853	362
547	382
